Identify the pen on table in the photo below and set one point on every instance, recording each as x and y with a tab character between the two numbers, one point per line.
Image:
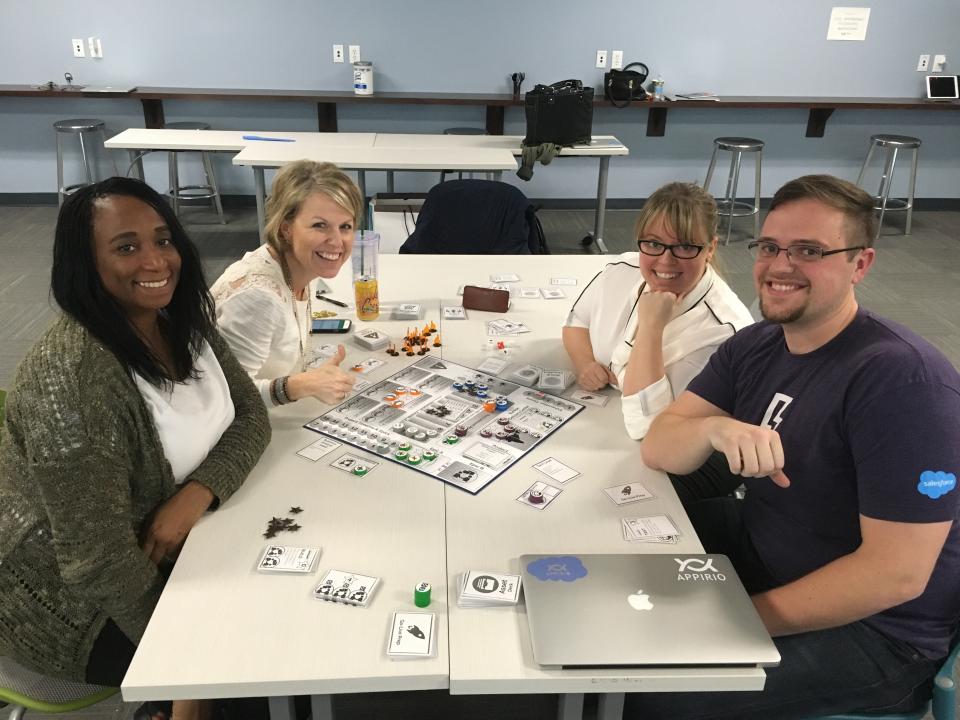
267	139
338	303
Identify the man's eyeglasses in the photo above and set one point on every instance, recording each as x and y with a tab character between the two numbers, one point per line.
766	251
681	251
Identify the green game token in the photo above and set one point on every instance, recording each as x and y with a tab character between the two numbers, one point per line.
429	455
413	459
360	469
400	454
421	595
451	439
405	446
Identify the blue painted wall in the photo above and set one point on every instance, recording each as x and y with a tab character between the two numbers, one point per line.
745	47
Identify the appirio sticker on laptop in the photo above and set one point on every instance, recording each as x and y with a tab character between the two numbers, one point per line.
565	568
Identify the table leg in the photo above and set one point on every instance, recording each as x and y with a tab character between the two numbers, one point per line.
571	706
321	707
281	708
601	203
136	162
390	185
260	192
610	707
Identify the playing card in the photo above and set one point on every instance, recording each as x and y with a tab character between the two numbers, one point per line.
411	635
539	495
504	277
360	385
529	292
320	354
589	397
525	374
553	380
346	587
288	559
316	450
563	281
492	366
479	588
553	293
454	312
652	528
556	470
625	494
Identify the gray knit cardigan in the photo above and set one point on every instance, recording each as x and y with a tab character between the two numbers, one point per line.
81	469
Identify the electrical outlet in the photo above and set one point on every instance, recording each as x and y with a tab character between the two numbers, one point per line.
338	53
78	50
923	64
616	60
354	53
96	48
601	58
938	62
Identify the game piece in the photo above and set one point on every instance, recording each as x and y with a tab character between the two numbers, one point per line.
360	470
436	341
421	595
296	510
539	495
536	497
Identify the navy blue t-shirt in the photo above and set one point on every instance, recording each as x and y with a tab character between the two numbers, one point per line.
870	424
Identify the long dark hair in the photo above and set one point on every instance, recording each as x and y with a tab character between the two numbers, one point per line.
76	286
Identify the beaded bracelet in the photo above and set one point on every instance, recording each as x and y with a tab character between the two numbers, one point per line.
278	391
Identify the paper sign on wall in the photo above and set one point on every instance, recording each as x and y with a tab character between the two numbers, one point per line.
848	23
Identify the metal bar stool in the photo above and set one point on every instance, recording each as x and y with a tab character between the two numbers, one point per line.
463	131
893	144
188	193
729	206
81	127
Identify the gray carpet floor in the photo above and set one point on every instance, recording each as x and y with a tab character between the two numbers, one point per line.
916	281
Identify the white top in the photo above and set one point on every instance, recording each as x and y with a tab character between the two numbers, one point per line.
259	319
704	318
191	416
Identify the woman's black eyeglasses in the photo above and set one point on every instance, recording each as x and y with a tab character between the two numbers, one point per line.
681	251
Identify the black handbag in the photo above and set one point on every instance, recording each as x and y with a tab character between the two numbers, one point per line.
561	113
622	86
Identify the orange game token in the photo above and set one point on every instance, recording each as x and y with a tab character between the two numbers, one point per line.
414	392
389	398
489	406
397	403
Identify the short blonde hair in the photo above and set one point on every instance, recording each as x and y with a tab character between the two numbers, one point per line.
294	183
689	210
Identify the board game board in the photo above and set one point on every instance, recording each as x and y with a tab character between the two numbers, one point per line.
447	421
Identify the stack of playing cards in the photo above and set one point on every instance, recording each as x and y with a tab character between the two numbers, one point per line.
486	589
504	326
287	559
412	636
346	587
653	529
558	380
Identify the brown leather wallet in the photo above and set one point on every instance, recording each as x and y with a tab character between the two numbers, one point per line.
488	299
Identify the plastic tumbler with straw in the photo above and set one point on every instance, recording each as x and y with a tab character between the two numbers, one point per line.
366	249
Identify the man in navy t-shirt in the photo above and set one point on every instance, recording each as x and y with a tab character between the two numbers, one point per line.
845	428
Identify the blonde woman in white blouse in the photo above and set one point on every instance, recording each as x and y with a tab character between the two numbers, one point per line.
648	323
263	300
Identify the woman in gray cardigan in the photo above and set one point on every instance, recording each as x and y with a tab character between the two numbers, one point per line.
128	420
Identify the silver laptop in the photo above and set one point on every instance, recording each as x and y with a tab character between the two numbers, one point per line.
642	610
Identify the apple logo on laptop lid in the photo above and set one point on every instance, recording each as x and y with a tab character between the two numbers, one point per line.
640	600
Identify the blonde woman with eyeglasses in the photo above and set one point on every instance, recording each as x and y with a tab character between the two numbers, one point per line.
648	323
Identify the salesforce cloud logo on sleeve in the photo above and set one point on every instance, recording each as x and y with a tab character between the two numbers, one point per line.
936	483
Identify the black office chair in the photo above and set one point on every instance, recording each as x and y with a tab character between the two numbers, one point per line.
476	217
